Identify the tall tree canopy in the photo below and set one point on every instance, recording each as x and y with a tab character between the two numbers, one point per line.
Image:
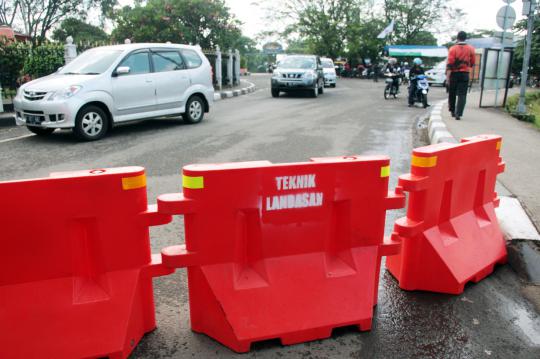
350	27
80	31
38	17
204	22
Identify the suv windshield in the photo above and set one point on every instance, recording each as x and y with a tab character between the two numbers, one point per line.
91	62
327	64
297	62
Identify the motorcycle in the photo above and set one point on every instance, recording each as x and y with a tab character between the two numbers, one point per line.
391	88
422	88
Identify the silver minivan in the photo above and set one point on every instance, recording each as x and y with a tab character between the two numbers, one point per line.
113	84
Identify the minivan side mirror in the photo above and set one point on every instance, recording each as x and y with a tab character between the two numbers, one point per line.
122	70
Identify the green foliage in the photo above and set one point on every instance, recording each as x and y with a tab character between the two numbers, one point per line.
349	28
44	60
204	22
80	31
534	61
12	57
414	18
532	101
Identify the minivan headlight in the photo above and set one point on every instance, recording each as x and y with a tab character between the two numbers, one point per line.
65	93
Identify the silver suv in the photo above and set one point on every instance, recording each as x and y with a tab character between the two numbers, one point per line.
113	84
298	73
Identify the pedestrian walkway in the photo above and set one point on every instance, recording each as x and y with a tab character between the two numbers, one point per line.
520	149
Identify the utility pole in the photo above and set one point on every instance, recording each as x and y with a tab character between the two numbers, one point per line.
529	8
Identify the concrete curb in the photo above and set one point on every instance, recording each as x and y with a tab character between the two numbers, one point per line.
218	96
521	234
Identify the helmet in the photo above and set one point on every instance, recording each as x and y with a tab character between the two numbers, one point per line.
417	61
392	61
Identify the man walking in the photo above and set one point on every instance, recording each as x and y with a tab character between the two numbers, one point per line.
461	59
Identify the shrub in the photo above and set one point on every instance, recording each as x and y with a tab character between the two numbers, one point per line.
12	58
44	60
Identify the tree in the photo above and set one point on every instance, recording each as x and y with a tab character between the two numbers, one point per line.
8	12
38	17
204	22
415	18
322	24
80	31
534	61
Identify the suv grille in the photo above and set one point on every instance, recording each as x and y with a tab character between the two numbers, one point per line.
292	76
34	95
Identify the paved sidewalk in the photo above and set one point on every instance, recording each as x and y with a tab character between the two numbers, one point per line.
520	149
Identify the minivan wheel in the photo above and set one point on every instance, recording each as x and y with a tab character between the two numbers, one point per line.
91	124
194	110
321	89
40	131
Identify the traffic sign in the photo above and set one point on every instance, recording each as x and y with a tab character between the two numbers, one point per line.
506	17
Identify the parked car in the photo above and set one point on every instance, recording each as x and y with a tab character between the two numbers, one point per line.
437	75
329	72
298	73
114	84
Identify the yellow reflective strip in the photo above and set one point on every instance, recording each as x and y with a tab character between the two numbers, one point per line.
499	145
424	161
385	171
192	182
134	182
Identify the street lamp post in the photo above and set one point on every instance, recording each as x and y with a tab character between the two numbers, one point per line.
528	9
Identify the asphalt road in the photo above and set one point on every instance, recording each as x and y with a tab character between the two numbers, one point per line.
490	320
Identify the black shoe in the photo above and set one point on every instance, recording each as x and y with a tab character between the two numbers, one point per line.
411	105
458	118
453	114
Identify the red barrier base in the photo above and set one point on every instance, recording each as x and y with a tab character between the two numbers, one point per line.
54	316
444	258
269	302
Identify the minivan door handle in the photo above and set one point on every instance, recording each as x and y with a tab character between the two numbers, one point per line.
149	81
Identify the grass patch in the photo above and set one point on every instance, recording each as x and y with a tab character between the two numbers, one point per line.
532	101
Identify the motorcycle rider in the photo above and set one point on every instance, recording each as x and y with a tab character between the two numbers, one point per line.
414	71
394	71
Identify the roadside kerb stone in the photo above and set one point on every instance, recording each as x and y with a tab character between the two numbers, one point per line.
234	93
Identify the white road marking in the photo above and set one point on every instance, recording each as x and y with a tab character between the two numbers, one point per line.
16	138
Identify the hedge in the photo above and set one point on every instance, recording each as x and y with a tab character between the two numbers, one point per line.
18	59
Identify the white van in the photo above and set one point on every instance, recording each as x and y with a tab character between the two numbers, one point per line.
113	84
437	75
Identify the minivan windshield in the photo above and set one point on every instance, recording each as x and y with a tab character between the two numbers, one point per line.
297	62
327	64
92	62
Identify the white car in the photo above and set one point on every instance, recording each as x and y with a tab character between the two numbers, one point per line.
112	84
437	75
329	72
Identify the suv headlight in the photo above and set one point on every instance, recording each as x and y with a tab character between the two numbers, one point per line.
310	75
65	93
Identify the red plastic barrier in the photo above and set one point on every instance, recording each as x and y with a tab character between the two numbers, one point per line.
286	251
75	264
450	235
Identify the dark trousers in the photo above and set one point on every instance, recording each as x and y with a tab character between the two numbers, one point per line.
412	90
459	84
